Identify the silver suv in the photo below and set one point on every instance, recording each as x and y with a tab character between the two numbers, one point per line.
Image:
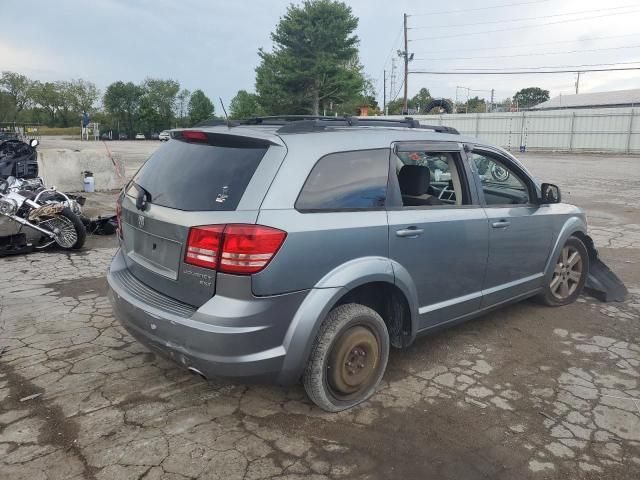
288	249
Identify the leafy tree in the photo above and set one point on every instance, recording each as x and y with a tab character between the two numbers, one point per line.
122	101
7	107
17	86
158	104
421	99
476	105
200	107
47	97
394	107
244	105
182	101
314	59
528	97
83	95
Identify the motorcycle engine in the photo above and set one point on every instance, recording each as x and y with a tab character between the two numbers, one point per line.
8	206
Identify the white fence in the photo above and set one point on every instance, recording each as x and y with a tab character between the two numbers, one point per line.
594	130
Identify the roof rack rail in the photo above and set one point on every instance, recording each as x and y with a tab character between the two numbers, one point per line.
314	123
311	124
214	122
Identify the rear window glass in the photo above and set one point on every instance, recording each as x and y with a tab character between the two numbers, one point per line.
346	181
193	176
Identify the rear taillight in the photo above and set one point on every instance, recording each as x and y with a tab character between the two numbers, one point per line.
194	136
203	246
249	248
246	249
119	215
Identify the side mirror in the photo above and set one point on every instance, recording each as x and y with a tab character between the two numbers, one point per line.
34	142
550	193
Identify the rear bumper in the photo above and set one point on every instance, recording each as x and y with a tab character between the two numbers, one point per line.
232	335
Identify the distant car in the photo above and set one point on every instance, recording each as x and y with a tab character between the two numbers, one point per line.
155	136
105	136
164	136
123	136
140	136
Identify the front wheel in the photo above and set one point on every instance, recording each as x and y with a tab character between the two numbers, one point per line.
569	274
348	358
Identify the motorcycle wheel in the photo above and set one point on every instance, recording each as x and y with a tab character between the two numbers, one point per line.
72	233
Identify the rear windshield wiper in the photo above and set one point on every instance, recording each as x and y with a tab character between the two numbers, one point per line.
142	198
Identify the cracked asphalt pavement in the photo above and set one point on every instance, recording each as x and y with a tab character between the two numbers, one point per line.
525	392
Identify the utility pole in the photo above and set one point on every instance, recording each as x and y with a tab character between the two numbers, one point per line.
493	93
384	95
406	66
578	83
392	88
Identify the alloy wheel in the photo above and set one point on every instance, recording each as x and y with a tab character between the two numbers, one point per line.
567	273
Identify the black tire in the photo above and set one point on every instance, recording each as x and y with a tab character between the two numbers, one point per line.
81	233
347	325
552	294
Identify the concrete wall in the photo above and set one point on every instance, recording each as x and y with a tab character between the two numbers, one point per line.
614	130
63	169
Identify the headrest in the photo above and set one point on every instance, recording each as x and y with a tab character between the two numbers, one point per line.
414	180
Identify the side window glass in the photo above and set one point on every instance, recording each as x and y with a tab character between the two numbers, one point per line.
347	180
429	179
500	184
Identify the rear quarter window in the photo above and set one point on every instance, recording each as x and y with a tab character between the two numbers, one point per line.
354	180
198	176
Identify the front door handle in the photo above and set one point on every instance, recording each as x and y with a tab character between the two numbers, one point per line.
501	224
410	232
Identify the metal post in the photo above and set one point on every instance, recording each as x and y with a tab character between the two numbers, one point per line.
406	66
630	131
477	124
384	95
573	121
522	132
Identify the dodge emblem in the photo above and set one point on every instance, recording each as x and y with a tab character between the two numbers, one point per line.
140	221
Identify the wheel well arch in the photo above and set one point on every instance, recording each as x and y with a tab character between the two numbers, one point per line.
390	302
588	242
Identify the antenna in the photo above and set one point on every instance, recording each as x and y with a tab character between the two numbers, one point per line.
226	117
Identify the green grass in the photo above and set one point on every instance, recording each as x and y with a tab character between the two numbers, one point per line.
59	131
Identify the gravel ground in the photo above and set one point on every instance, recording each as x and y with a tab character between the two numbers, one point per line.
524	392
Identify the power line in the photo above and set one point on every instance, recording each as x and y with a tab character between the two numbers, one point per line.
470	72
505	47
553	66
522	19
465	10
529	54
393	46
523	26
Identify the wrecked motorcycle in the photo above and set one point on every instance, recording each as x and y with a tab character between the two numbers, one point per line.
18	159
33	217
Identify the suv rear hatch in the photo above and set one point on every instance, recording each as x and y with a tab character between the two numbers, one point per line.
197	178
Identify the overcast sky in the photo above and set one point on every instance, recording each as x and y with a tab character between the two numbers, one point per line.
213	44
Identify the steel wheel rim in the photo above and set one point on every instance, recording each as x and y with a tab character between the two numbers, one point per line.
567	273
65	232
353	362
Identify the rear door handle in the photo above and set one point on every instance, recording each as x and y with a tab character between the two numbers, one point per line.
501	224
410	232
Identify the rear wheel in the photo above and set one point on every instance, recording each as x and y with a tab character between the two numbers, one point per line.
69	229
569	274
348	358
